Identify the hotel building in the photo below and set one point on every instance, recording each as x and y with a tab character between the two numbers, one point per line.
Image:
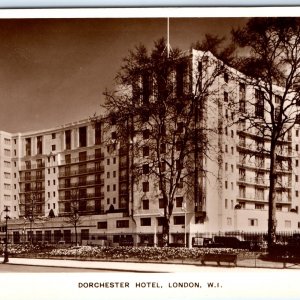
49	175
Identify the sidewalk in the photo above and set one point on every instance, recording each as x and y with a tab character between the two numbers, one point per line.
147	267
102	265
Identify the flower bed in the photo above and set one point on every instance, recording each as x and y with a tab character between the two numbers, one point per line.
120	253
139	253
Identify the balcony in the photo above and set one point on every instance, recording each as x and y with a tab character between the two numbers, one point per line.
253	181
31	178
81	184
75	160
33	166
251	197
32	189
82	197
92	170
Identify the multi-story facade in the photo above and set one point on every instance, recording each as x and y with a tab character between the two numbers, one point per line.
49	175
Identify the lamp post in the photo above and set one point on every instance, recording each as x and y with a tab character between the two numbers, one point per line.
6	210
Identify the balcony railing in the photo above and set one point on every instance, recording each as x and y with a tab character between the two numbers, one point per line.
33	166
82	197
32	178
32	189
79	184
82	159
258	181
80	172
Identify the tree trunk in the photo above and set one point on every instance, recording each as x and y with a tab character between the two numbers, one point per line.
166	232
271	199
76	240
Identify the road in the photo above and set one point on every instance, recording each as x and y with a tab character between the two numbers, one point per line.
5	268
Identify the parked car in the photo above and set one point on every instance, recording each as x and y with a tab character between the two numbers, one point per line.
230	242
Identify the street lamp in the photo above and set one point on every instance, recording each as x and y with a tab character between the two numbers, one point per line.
6	210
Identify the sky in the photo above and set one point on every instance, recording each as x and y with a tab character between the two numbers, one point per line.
54	71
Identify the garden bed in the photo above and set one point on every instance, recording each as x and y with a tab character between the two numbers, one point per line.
132	254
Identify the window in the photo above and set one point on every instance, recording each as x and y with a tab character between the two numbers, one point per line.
180	127
39	163
296	178
163	148
226	184
48	194
68	139
225	97
145	186
108	188
53	194
83	156
297	133
232	150
145	169
145	221
226	77
6	164
297	163
226	166
252	222
113	135
114	187
297	147
102	225
108	175
179	220
259	194
145	204
28	164
28	146
161	203
39	144
179	201
6	186
226	203
226	148
82	136
259	105
114	174
6	175
68	158
6	141
53	135
48	171
108	161
114	200
297	193
39	174
146	134
114	160
97	133
53	147
259	206
122	223
145	151
232	133
178	164
242	97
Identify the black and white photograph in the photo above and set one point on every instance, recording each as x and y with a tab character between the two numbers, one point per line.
146	156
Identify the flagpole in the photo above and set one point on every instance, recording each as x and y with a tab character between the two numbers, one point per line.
168	37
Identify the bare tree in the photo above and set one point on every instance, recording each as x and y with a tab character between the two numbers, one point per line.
73	216
272	68
159	111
